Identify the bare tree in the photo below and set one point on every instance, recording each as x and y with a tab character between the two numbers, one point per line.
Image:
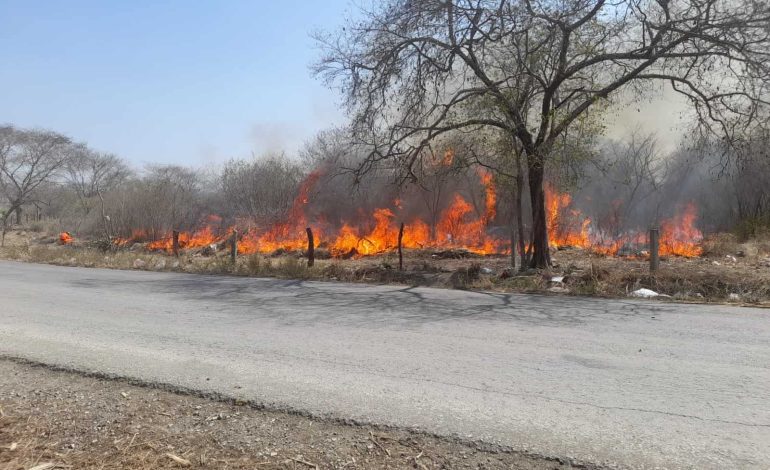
163	198
261	189
91	174
438	176
627	192
415	70
28	159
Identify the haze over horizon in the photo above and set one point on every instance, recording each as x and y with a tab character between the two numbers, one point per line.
186	83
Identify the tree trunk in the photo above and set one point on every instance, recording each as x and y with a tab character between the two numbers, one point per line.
5	228
18	215
106	221
523	252
513	236
541	257
234	247
175	243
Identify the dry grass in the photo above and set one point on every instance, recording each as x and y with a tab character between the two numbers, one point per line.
730	271
76	422
694	281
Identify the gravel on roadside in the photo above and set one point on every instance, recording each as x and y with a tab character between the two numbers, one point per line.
53	419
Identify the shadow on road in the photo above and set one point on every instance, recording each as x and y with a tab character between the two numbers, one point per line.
296	302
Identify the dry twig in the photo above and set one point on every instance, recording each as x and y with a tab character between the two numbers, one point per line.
179	460
373	439
304	462
416	459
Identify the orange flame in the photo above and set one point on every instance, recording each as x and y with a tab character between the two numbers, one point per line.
288	235
137	235
565	227
461	225
490	192
679	236
568	227
65	238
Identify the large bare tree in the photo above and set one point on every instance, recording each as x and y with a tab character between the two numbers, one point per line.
28	159
413	70
91	174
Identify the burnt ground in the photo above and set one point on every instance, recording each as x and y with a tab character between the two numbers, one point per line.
57	419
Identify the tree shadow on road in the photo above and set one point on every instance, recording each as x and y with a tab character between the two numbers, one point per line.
295	301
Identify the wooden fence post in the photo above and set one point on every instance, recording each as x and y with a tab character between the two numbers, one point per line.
654	249
400	253
175	242
310	248
234	246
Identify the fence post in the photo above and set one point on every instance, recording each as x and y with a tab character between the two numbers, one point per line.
310	248
400	253
234	246
175	242
654	249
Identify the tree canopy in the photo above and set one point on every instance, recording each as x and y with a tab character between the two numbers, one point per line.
412	71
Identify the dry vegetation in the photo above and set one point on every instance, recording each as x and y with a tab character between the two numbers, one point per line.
53	419
729	271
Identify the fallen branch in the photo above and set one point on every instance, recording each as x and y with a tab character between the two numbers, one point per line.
304	462
129	443
373	439
418	463
50	466
179	460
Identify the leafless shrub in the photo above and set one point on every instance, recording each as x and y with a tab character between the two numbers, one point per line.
164	198
262	189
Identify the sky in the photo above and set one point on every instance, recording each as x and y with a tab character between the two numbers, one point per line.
191	83
168	81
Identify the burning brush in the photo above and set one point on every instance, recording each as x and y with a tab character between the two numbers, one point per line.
65	238
461	225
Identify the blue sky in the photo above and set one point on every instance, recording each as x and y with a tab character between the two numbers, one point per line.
172	82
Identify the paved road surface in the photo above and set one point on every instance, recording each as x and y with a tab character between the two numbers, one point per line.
636	384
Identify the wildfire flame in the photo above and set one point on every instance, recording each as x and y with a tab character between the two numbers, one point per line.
137	236
565	227
288	235
491	194
461	225
678	236
65	238
569	227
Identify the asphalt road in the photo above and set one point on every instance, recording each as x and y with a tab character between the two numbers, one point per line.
628	383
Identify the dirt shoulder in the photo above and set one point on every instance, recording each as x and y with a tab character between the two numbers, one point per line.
73	421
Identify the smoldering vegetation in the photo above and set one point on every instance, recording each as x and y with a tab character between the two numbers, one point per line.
633	185
618	187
